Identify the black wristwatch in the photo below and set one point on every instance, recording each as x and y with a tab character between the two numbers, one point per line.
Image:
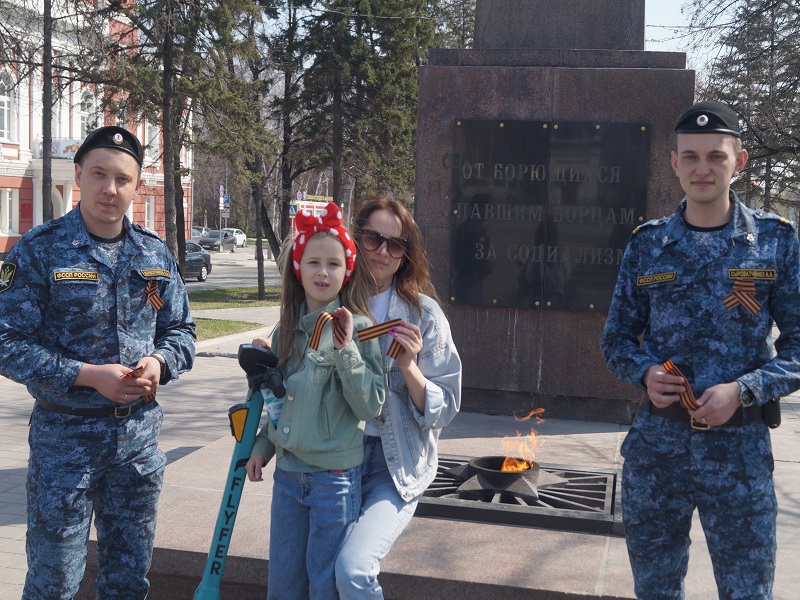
162	361
746	396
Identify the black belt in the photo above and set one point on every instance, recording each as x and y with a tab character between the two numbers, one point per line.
675	412
120	412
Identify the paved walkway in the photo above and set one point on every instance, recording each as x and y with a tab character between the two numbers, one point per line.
188	426
195	424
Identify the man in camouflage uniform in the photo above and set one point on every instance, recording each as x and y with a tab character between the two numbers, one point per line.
83	300
701	288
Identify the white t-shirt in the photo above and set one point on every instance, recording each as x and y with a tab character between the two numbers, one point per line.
379	305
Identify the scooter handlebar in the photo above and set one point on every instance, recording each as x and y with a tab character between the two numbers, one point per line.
260	365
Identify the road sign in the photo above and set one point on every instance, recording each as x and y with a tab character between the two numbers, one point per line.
225	213
299	196
226	199
293	209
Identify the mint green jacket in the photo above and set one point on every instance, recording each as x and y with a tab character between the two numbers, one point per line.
329	395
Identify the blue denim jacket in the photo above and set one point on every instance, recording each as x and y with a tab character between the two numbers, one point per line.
409	437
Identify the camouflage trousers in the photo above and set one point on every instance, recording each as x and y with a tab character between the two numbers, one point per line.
726	473
82	466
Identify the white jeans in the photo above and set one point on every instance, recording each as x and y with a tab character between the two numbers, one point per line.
382	519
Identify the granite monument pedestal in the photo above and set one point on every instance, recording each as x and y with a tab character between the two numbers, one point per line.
528	65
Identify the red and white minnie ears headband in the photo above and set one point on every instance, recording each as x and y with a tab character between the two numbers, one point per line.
330	220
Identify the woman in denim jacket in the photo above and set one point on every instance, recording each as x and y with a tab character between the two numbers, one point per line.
423	392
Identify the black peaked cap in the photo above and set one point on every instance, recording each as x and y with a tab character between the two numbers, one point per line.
709	117
112	137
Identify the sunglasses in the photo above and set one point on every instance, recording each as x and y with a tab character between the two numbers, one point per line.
373	241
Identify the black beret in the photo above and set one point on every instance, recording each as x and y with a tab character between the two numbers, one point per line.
709	117
113	137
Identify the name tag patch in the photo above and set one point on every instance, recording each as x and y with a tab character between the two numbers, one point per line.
643	280
76	276
155	273
752	274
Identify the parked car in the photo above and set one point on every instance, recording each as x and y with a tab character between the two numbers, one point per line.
241	238
198	232
212	241
196	262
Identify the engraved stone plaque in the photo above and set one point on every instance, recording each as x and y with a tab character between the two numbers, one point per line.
542	211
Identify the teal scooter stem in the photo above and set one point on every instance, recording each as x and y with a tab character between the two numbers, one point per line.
261	368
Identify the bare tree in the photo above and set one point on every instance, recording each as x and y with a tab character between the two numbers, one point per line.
756	69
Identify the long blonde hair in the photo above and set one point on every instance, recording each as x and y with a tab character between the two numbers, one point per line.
354	296
412	277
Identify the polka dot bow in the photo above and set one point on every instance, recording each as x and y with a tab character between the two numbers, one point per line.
330	220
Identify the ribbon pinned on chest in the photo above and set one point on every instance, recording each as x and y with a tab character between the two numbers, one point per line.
376	331
322	320
152	294
744	293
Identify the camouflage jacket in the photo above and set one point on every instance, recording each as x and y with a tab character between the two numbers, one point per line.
710	311
62	304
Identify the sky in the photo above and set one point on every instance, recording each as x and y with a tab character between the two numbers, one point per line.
661	17
659	13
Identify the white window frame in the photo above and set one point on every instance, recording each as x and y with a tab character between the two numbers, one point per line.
152	142
8	109
9	211
88	110
150	212
57	104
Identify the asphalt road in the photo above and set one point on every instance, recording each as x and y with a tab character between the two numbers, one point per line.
235	269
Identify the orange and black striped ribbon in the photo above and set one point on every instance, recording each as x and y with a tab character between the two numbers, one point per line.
322	320
369	333
152	295
137	372
688	401
743	293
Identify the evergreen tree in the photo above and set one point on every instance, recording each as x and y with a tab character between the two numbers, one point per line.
153	64
360	90
288	46
455	23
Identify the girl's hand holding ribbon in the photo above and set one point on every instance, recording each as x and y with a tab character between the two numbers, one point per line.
345	320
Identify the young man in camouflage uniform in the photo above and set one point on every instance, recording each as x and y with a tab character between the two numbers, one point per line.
701	288
84	299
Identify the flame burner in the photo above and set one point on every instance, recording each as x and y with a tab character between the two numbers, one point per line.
486	480
549	496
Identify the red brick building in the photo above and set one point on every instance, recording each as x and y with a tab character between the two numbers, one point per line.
76	112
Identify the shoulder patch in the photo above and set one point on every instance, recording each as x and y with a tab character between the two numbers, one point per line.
46	226
650	223
145	231
769	216
7	272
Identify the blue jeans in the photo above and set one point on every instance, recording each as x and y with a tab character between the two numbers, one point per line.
311	515
384	515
